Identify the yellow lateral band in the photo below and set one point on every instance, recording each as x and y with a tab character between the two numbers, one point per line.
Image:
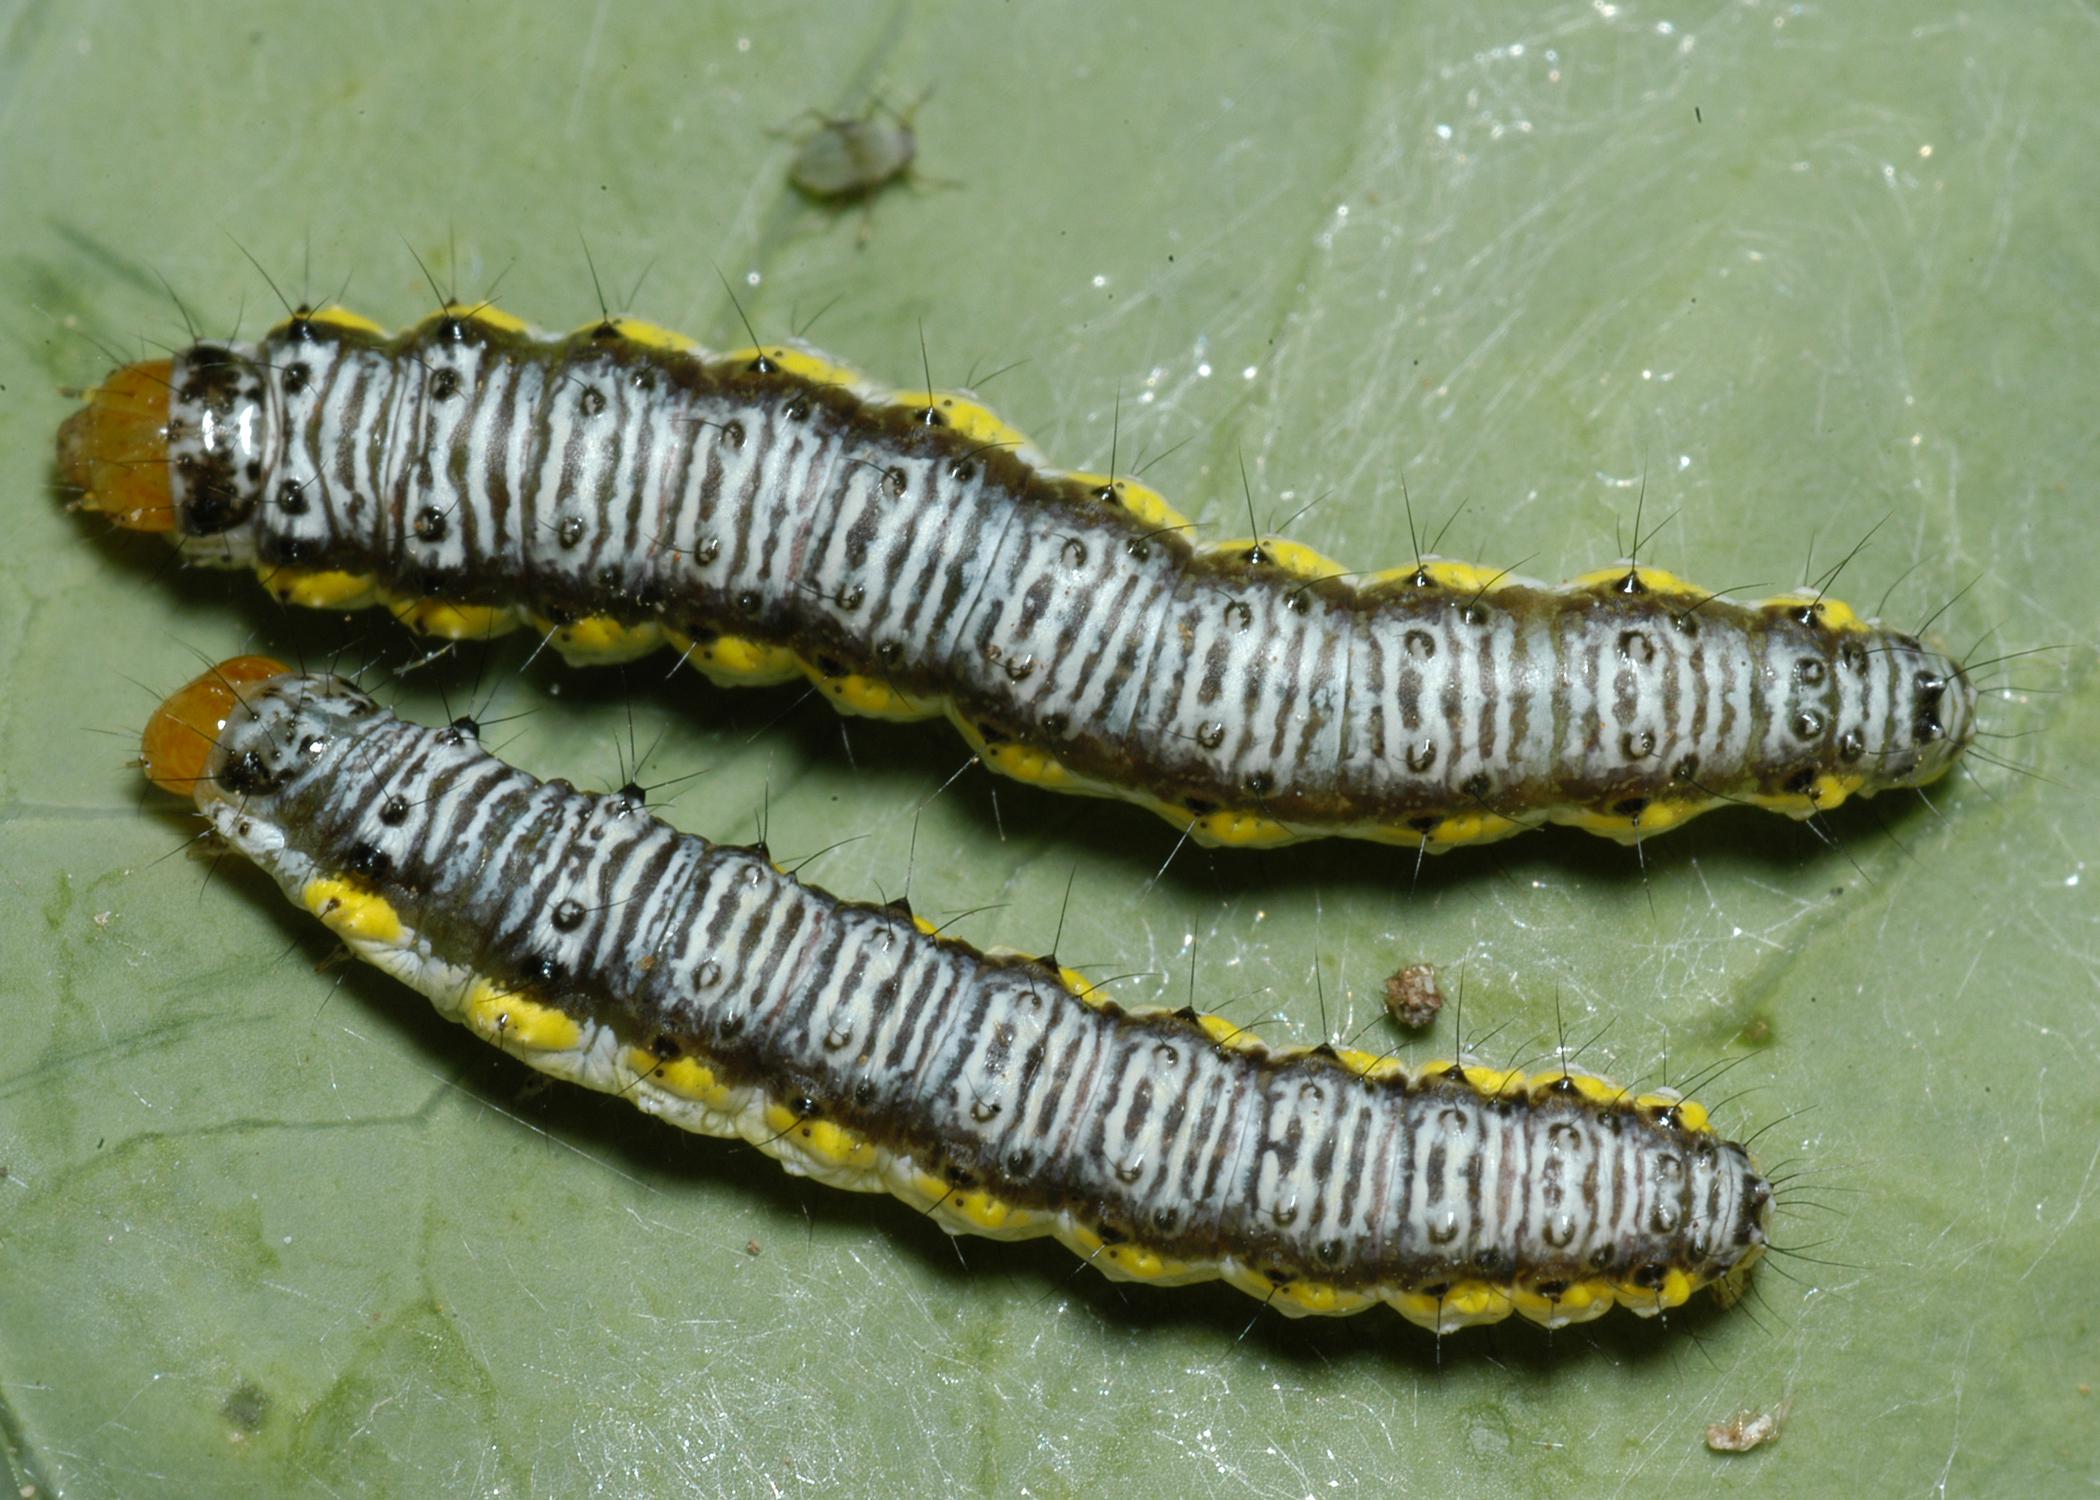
351	912
453	622
1236	830
1653	580
799	362
973	420
1491	1083
328	589
334	316
869	697
990	1215
1140	1264
1150	506
492	317
735	661
1676	1290
1834	614
1831	789
1323	1298
1294	558
652	336
1081	986
1369	1064
600	640
1463	578
1477	1301
1141	500
1226	1034
1473	828
689	1078
1022	763
1592	1088
836	1145
1691	1115
507	1018
1656	817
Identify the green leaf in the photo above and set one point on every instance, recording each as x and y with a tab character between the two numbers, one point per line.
1796	271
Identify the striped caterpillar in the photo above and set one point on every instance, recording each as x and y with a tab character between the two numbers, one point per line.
772	515
998	1092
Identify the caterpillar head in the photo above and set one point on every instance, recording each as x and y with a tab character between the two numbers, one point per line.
174	446
1753	1214
114	450
1748	1235
1931	716
175	751
1858	707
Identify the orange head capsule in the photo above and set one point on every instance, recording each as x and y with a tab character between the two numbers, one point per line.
114	450
175	750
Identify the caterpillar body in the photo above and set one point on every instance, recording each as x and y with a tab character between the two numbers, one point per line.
996	1091
772	515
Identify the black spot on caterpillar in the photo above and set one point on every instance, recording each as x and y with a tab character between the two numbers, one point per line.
773	516
998	1092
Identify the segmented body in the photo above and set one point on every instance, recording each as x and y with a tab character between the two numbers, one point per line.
773	515
995	1090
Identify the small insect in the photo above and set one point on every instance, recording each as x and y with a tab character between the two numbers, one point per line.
1000	1093
1747	1430
774	516
1413	997
845	159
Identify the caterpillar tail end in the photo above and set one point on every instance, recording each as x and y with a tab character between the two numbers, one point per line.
175	751
114	450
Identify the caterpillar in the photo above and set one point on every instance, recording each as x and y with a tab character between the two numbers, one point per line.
774	516
998	1092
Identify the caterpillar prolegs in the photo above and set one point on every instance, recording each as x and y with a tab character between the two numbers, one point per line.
996	1091
772	515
